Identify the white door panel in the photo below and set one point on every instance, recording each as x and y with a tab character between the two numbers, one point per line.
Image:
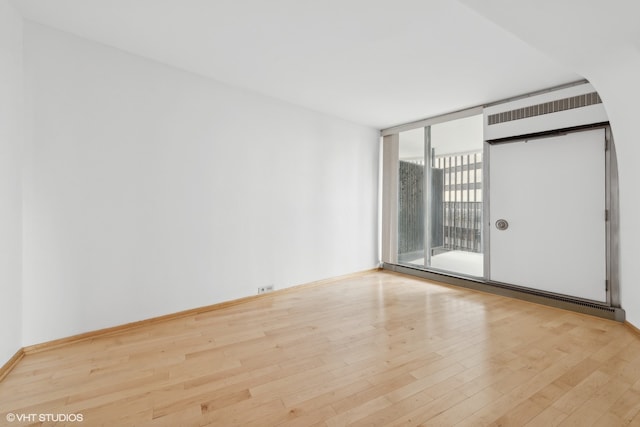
551	191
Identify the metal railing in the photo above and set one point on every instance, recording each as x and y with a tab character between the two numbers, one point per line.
458	214
463	226
462	203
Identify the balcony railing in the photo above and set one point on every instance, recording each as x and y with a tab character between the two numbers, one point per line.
456	205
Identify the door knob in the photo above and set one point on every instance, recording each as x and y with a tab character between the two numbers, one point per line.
502	224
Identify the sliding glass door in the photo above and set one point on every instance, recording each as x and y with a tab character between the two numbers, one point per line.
440	197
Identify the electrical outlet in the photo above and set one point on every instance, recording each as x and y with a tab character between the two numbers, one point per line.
263	289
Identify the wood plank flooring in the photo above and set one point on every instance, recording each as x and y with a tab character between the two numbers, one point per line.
381	349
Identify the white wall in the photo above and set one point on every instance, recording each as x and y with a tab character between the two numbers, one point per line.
150	190
10	201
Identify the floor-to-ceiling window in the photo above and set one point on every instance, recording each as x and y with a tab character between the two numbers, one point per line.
481	194
440	197
411	197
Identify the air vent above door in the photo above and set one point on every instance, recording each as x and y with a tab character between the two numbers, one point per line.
569	107
550	107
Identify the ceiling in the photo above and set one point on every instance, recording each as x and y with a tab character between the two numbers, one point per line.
374	62
582	33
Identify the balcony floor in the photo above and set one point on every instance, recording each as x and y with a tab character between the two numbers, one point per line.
459	262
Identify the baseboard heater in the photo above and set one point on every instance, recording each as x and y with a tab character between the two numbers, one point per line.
525	294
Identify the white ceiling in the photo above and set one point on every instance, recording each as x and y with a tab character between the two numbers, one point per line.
374	62
582	33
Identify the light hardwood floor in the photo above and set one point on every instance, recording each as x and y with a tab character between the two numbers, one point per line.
379	349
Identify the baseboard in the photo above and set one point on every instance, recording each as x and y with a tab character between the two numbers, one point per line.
634	328
37	348
11	363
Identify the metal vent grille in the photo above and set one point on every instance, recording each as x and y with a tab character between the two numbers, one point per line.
546	108
556	297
